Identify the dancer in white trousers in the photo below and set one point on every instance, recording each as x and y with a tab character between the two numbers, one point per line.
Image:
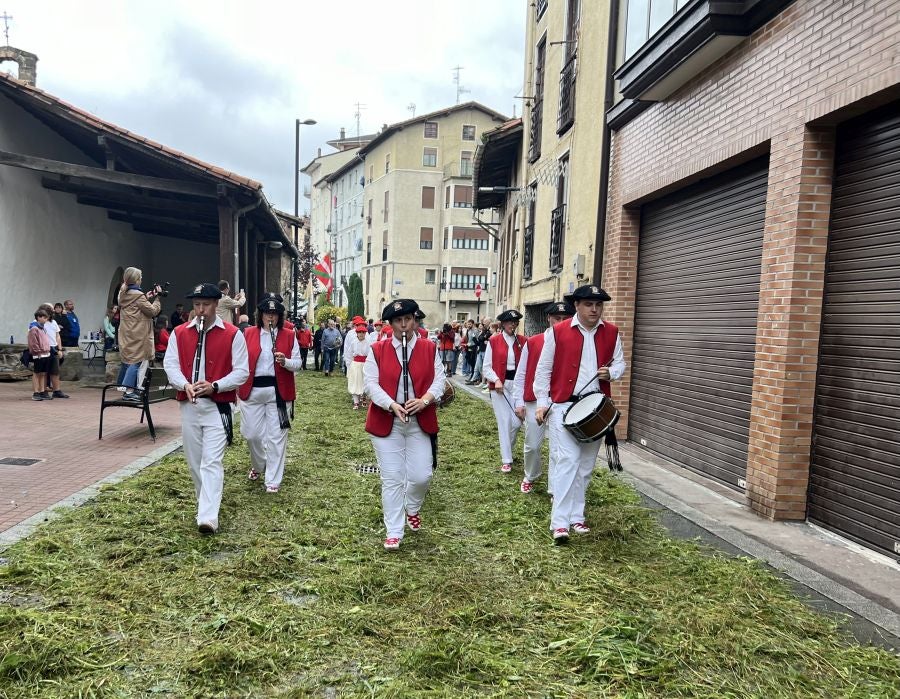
403	376
579	355
501	357
268	391
526	401
206	361
356	349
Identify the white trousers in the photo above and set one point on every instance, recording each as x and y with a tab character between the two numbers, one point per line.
404	458
266	439
534	437
204	445
570	471
507	423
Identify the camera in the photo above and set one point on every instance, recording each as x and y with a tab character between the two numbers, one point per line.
163	289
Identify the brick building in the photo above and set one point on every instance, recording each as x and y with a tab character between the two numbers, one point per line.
752	250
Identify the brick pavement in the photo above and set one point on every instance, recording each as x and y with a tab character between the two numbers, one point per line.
63	433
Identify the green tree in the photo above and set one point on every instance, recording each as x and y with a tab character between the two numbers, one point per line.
355	303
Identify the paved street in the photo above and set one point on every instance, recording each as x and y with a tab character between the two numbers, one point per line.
63	435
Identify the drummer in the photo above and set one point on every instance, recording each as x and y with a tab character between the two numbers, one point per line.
501	357
526	402
579	356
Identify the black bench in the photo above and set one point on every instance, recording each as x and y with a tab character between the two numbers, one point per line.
154	389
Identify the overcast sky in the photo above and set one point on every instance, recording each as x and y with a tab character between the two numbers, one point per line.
224	81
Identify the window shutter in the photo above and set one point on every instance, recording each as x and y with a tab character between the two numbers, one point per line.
427	197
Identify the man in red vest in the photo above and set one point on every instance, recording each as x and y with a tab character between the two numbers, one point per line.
305	340
403	376
501	357
206	370
267	391
579	355
526	402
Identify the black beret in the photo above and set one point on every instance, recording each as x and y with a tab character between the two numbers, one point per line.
271	295
400	307
420	315
511	314
588	292
270	306
205	291
559	309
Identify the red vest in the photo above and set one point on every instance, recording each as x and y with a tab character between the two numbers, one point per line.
535	347
379	421
305	338
284	343
499	352
423	333
567	359
217	350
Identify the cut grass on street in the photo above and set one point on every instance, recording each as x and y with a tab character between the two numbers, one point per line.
295	596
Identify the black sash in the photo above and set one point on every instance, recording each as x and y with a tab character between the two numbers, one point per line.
265	382
225	413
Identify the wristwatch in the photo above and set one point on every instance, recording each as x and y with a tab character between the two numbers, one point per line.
425	402
215	386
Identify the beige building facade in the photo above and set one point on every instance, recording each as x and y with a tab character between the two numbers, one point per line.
420	240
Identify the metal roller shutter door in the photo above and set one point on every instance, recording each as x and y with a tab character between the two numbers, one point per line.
695	322
854	485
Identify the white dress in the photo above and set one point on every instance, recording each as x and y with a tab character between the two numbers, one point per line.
356	384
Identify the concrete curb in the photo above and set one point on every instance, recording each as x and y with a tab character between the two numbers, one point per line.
871	611
26	527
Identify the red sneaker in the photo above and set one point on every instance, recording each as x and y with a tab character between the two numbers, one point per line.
581	528
414	522
560	536
506	468
392	543
253	475
526	486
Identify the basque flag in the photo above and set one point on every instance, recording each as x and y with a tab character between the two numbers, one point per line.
322	272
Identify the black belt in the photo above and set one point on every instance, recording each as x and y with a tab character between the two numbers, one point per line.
266	382
510	374
263	381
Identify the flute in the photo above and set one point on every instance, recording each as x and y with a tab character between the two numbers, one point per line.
196	376
272	335
405	375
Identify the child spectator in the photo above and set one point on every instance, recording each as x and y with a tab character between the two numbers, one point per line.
39	348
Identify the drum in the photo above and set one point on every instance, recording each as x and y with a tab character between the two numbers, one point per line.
591	417
447	397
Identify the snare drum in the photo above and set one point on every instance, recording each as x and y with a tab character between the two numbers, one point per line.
591	417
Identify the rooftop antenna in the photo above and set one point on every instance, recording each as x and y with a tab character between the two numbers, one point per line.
459	88
358	115
5	17
411	107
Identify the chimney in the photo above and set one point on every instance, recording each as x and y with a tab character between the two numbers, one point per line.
318	152
343	133
27	63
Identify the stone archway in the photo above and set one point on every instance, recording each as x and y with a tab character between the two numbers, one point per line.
26	61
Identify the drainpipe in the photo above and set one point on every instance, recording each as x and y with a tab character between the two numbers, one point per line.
611	52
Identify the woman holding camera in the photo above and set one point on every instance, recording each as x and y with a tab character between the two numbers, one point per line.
136	314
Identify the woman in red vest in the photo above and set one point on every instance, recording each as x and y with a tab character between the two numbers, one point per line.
267	391
403	376
526	402
501	357
579	356
206	375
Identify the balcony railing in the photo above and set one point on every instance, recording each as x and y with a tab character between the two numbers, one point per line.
567	96
537	121
528	253
557	237
540	7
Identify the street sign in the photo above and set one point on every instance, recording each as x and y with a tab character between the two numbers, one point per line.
478	291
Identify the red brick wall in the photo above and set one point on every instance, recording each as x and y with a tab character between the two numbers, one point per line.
812	60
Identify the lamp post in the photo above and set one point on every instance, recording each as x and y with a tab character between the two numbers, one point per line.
305	122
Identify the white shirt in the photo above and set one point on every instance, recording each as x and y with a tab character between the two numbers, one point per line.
230	382
587	370
355	347
265	365
378	394
487	367
51	328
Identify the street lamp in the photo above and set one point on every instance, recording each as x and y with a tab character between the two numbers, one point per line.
305	122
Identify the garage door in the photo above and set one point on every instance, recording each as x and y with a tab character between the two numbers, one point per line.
855	468
695	322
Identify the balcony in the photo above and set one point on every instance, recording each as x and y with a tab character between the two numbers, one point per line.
537	121
528	252
557	237
567	96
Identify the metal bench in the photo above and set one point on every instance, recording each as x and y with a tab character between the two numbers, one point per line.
154	389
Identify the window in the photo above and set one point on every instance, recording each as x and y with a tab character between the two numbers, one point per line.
465	163
446	237
467	277
430	276
468	133
566	112
429	157
540	8
387	201
426	238
646	17
462	196
470	239
383	277
369	217
387	163
431	129
537	107
447	197
528	252
369	251
384	246
371	173
427	197
368	276
558	218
